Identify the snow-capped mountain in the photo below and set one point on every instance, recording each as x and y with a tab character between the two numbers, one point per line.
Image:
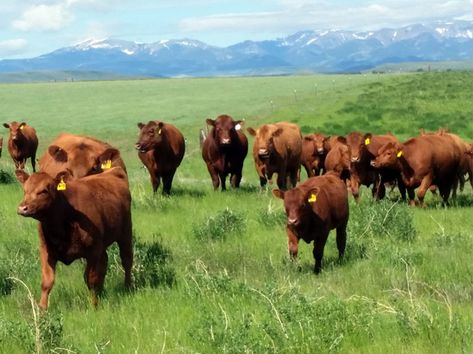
321	51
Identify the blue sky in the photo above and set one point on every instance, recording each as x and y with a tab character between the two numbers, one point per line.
32	27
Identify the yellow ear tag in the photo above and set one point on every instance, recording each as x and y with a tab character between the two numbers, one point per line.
312	198
61	185
367	141
21	128
399	154
106	165
159	132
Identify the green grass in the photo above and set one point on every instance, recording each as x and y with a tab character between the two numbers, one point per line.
211	268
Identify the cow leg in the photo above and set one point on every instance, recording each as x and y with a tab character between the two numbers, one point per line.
223	177
167	182
48	267
213	176
292	244
445	193
294	177
236	179
95	275
355	189
411	196
341	240
33	162
126	255
281	181
402	188
423	188
318	252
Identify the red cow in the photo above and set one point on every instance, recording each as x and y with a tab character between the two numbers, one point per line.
81	155
22	144
313	154
224	151
338	159
277	149
313	208
79	219
422	162
161	148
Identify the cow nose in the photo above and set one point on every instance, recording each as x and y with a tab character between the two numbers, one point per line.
226	141
373	163
355	159
137	146
320	151
262	152
292	221
22	209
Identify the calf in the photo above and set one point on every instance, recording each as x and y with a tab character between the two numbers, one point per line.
224	150
277	149
81	155
338	159
313	154
313	208
161	148
79	219
22	144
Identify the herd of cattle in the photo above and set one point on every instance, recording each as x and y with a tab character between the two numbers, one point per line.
81	197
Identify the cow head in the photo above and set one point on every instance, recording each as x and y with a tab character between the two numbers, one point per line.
40	192
151	135
387	156
264	139
357	142
224	129
83	160
297	203
16	128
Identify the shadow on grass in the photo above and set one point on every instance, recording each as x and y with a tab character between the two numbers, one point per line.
6	177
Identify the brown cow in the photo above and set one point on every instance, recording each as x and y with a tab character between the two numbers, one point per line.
79	219
313	208
22	144
224	151
277	149
81	155
313	153
161	148
338	158
423	161
364	148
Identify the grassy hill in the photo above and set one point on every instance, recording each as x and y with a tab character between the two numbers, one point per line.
211	269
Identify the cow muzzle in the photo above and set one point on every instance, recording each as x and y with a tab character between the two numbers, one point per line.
373	163
23	210
320	151
139	147
292	221
225	141
263	153
355	159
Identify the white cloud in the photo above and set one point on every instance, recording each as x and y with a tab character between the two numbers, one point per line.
305	14
44	18
13	47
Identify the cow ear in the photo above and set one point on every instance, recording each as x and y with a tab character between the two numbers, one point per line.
21	176
22	124
278	193
107	157
210	122
57	153
6	125
278	132
342	139
251	131
140	125
312	195
63	176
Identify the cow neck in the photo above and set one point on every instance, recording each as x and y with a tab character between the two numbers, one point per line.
57	218
407	173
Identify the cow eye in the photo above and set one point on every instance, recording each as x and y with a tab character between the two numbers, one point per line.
44	191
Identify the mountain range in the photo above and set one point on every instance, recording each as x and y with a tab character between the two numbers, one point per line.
306	51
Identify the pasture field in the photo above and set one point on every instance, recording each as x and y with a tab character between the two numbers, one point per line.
211	270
